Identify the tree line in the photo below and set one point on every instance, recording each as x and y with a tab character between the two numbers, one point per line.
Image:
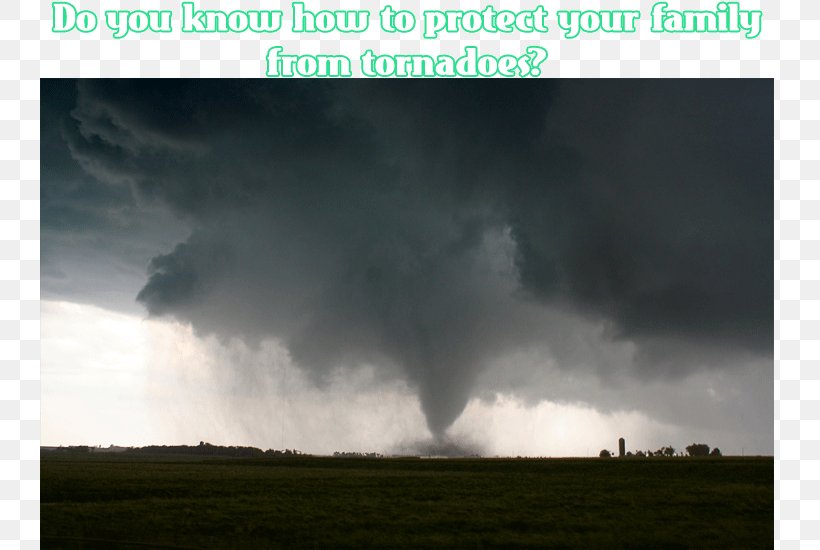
695	449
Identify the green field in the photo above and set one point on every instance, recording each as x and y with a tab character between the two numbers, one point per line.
116	501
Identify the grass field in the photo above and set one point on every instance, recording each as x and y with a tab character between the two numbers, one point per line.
112	501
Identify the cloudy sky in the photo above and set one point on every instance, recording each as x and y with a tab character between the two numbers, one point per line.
506	267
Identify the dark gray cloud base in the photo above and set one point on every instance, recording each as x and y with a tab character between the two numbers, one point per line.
432	228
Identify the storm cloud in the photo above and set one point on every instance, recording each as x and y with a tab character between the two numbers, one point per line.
434	230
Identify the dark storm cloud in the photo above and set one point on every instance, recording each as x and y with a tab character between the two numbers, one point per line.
666	217
436	227
97	236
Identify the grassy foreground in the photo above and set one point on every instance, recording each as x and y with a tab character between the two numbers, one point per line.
110	501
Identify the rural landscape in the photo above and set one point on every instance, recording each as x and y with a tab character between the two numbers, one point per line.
407	313
173	499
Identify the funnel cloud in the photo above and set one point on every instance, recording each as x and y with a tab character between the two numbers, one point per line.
437	231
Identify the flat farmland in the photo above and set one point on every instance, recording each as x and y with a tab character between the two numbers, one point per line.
120	501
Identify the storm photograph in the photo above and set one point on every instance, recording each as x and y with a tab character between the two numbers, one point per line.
460	271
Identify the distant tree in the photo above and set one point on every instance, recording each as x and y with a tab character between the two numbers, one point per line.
640	453
698	449
715	452
669	451
629	453
605	454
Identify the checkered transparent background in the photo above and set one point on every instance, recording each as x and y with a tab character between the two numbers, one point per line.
788	51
